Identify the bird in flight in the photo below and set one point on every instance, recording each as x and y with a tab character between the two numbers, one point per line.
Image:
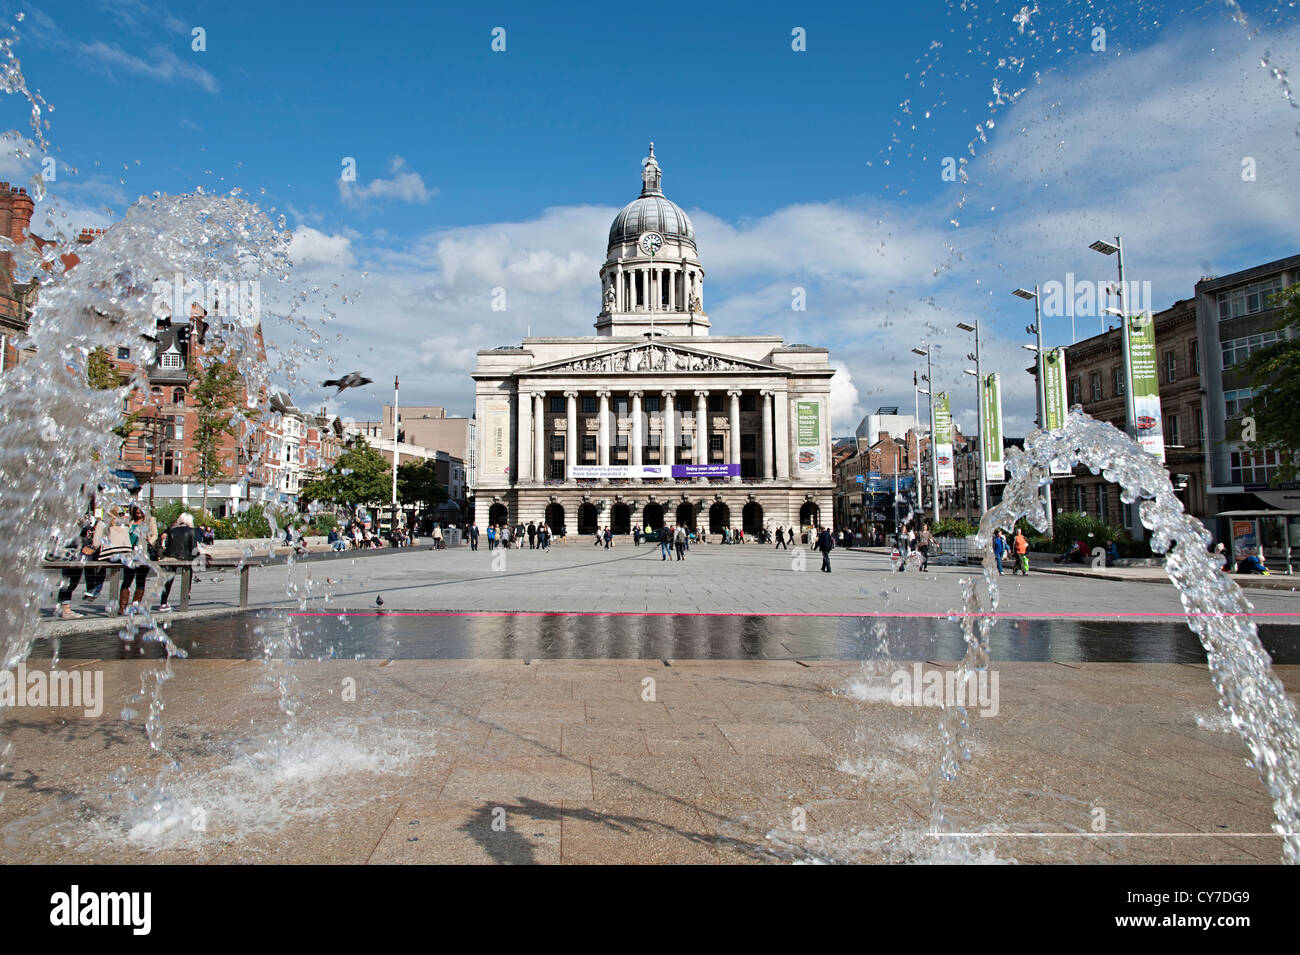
352	379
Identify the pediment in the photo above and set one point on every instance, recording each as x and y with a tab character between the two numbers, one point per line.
648	357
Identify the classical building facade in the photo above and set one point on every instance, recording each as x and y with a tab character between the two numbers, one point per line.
653	420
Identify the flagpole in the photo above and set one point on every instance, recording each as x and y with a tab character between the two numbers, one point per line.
393	528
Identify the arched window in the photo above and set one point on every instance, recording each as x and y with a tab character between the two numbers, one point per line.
178	396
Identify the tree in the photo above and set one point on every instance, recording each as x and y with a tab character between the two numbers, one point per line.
102	375
216	393
1275	408
417	482
360	476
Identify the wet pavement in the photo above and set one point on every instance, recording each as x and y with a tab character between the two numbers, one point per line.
429	636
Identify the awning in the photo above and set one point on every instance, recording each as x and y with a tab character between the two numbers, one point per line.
1245	514
125	479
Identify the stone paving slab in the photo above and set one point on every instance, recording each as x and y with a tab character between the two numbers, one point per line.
480	761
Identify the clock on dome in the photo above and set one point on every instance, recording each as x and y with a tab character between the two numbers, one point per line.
651	243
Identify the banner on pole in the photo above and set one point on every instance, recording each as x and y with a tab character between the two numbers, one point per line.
1056	398
943	440
991	437
1144	384
808	431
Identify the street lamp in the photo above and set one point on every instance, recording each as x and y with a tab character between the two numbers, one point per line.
1040	393
934	457
979	410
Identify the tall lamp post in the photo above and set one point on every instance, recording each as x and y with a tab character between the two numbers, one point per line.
979	410
392	530
1040	392
934	457
917	391
156	425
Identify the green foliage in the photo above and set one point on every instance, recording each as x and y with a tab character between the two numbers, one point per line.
1276	405
216	395
952	527
102	375
324	523
359	477
417	483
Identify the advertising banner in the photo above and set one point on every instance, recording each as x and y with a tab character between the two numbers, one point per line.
943	440
1056	395
1144	383
991	438
809	433
635	471
496	437
1244	539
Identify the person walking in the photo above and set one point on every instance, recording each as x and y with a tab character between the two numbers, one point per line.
825	543
679	540
532	535
473	536
1021	547
999	549
926	541
636	535
437	538
609	537
179	543
665	541
780	539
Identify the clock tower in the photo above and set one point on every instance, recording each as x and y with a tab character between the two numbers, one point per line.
652	282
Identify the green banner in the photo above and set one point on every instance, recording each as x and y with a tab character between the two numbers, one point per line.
991	436
943	440
1056	397
1144	383
808	431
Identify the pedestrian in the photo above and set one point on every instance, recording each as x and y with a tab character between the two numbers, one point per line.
532	535
117	546
473	536
73	550
437	538
636	536
492	536
609	537
911	538
1021	547
93	531
999	549
926	541
780	539
825	544
179	543
679	539
665	541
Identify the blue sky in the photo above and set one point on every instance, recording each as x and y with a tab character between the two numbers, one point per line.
818	169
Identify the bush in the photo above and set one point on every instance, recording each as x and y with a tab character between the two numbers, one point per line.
952	527
324	523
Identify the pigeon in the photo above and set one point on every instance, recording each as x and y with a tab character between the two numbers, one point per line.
379	601
353	379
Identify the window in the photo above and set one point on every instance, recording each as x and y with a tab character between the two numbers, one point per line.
620	407
1248	299
1171	431
557	442
749	444
1249	467
1076	391
1239	349
620	441
746	402
1081	498
557	470
590	406
1118	383
652	403
171	462
178	396
1194	348
654	441
715	402
1171	366
557	405
588	444
1237	401
171	359
686	441
124	354
1200	426
1103	504
178	427
715	442
1095	383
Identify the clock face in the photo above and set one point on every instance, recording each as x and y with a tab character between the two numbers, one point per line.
651	243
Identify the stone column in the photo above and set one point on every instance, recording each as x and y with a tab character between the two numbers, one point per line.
524	440
782	403
539	437
667	435
766	454
701	429
572	446
642	283
602	441
654	290
618	289
733	440
635	438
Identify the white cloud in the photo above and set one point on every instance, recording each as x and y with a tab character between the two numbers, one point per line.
312	247
846	411
161	65
402	186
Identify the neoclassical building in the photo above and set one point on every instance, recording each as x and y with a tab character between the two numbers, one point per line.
653	420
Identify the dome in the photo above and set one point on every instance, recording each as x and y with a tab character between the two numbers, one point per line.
651	214
651	211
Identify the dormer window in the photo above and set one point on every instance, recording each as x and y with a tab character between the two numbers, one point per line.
170	359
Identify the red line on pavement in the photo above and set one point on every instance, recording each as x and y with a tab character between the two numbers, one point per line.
660	613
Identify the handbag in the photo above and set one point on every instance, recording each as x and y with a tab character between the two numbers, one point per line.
117	544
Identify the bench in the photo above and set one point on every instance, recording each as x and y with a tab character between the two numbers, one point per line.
185	568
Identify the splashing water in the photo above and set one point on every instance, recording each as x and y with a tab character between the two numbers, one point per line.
1249	692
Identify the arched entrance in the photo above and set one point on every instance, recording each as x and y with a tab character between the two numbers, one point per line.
654	516
809	515
587	518
752	518
686	516
498	514
620	519
555	519
719	517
